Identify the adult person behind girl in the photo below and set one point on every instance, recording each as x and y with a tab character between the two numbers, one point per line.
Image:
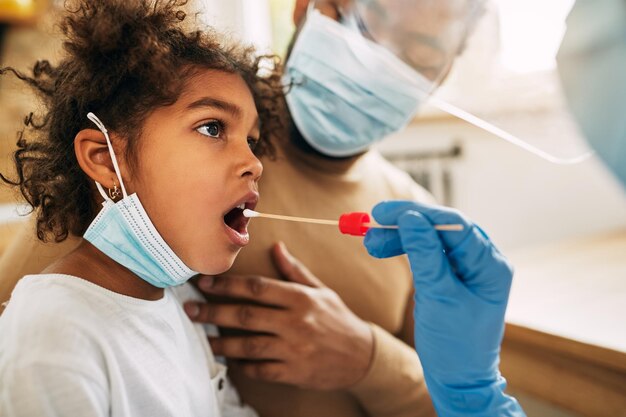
102	330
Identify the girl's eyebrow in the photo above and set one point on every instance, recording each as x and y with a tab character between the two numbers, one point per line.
233	109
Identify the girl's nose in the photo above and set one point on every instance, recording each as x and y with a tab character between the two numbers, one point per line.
251	166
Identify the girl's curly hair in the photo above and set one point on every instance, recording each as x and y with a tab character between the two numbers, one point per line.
122	60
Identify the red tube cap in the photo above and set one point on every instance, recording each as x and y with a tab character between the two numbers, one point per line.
354	223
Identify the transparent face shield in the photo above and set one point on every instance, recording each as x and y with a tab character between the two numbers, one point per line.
490	64
427	35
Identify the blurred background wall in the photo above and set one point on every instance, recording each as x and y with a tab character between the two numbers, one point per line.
26	34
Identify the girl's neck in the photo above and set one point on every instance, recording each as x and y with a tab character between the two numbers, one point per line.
90	264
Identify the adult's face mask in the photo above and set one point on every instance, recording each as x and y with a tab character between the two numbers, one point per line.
124	232
592	65
347	92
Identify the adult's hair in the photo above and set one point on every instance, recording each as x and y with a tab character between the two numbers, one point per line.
122	59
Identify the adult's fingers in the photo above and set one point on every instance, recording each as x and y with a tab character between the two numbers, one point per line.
269	371
429	264
475	260
256	288
383	243
388	212
482	267
249	347
239	316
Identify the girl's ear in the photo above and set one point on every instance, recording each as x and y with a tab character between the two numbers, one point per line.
94	158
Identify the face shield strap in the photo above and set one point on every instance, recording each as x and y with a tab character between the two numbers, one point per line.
504	135
116	167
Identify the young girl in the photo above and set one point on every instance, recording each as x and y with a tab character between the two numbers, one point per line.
146	150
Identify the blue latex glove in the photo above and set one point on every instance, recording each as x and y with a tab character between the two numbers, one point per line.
462	287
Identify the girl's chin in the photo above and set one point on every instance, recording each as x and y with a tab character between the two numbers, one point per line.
211	267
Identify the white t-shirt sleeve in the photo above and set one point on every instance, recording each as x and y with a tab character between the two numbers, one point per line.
51	363
46	390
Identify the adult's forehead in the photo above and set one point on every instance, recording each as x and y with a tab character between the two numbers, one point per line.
430	15
424	16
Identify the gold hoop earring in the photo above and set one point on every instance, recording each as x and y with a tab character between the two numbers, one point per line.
115	192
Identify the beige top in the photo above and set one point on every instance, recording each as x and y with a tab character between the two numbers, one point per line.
378	291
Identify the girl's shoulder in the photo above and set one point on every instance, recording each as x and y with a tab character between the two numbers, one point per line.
63	319
58	309
48	296
50	320
49	334
57	294
70	299
48	303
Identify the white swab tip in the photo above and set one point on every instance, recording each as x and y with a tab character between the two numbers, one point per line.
250	213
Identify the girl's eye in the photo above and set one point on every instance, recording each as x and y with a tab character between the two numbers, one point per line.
252	143
212	129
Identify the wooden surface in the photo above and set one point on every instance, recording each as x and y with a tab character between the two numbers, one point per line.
586	379
565	340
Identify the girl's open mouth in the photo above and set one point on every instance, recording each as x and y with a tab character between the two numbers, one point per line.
236	220
236	224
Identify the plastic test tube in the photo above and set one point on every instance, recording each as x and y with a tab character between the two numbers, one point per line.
354	224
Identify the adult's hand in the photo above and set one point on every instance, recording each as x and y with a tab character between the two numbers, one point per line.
462	285
303	333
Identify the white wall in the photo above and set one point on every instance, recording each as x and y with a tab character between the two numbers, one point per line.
247	20
516	197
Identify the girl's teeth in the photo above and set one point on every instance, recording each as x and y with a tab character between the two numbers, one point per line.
241	206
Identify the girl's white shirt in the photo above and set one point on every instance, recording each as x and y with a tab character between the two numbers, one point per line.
72	348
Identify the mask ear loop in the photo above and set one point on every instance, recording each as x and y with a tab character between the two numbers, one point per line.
116	167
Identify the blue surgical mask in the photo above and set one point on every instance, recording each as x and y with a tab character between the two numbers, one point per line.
592	65
348	92
124	232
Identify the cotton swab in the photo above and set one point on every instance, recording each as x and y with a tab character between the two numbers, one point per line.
355	224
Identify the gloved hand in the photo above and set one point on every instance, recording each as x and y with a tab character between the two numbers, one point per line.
462	285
